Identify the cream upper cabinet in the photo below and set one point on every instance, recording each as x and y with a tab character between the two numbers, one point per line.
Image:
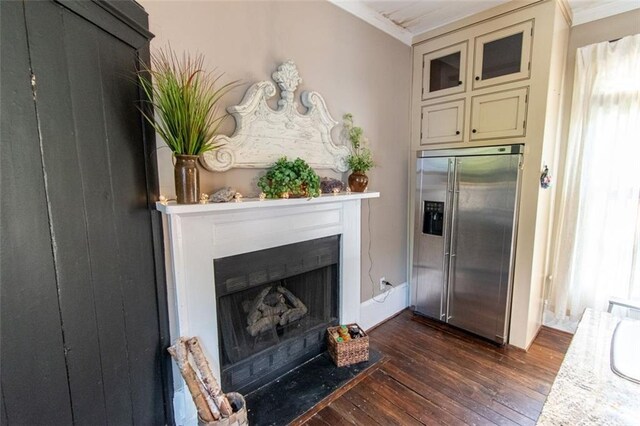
442	123
443	71
499	114
503	56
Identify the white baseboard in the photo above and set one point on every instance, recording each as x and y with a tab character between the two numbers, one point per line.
374	311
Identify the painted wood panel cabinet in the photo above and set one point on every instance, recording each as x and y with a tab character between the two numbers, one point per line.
499	114
472	64
442	122
83	301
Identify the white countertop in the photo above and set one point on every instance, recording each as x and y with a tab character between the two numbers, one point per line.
586	391
172	207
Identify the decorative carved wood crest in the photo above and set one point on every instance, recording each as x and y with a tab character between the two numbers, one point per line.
263	135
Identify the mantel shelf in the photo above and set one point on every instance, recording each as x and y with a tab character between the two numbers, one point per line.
172	208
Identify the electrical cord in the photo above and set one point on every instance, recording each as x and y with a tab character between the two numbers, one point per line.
387	283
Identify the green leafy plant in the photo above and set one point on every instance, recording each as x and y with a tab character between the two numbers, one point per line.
290	179
360	160
185	99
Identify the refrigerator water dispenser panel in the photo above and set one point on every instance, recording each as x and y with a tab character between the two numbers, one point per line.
433	219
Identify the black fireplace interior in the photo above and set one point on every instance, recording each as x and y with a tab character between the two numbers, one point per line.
274	306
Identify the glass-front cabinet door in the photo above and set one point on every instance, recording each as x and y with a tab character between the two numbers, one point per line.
443	71
503	56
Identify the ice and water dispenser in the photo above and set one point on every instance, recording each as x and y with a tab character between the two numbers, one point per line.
433	218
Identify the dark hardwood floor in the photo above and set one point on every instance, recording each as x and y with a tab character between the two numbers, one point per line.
433	374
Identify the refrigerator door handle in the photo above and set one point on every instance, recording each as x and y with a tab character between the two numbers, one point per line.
447	249
452	239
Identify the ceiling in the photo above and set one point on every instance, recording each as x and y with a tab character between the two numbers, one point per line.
406	19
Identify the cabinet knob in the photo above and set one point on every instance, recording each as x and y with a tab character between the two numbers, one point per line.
459	82
474	130
477	78
457	132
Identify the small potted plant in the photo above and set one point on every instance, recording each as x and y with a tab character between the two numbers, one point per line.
287	179
360	160
186	100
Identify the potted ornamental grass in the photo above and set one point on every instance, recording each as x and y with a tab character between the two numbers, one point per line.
186	101
360	160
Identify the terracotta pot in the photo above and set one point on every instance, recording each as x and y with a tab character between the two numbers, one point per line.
187	179
358	182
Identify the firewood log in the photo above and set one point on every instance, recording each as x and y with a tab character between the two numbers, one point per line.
180	354
210	383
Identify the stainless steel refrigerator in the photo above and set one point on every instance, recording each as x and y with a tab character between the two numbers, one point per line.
465	237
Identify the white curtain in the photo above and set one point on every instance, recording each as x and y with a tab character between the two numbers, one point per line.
597	250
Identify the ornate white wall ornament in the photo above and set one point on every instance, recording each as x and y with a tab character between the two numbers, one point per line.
263	135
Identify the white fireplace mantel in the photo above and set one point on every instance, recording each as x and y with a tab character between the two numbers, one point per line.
199	233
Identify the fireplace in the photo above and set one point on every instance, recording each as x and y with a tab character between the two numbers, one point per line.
202	237
274	306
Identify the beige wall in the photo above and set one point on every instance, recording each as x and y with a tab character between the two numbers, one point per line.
357	69
611	28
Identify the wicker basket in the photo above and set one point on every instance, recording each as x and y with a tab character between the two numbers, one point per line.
238	418
347	353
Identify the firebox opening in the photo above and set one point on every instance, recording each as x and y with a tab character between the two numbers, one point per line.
274	306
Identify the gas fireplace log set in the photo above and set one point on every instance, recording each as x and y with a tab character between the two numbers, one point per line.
271	308
210	402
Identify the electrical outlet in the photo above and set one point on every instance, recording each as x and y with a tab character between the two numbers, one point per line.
383	286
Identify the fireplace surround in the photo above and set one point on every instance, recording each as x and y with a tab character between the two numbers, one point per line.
198	235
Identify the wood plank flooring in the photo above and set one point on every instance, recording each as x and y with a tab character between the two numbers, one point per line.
434	374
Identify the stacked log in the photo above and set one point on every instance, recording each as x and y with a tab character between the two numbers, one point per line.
207	395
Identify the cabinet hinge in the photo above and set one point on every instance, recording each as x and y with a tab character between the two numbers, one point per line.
421	115
524	124
423	90
531	31
529	66
526	98
420	135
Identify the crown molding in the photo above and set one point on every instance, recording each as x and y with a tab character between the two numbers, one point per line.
604	10
362	11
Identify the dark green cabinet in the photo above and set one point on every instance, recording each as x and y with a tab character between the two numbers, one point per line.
83	305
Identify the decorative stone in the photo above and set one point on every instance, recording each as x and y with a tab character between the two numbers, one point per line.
223	195
329	185
238	197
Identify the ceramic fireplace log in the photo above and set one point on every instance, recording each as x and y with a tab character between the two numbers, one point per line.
211	385
263	324
299	310
180	354
270	308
